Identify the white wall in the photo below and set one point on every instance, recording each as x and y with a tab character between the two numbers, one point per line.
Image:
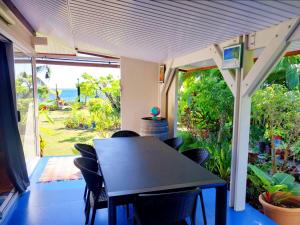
139	91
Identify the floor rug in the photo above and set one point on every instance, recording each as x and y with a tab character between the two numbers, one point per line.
60	169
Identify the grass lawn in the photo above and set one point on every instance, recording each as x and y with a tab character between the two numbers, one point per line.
60	140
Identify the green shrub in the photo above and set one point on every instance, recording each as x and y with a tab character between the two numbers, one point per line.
220	154
78	119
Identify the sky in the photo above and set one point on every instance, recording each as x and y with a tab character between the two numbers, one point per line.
66	76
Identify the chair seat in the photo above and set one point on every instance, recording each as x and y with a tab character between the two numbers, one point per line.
101	201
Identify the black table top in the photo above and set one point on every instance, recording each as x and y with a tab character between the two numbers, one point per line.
145	164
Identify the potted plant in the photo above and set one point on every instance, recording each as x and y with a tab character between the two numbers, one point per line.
280	198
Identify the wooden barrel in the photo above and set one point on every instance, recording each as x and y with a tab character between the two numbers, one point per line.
154	127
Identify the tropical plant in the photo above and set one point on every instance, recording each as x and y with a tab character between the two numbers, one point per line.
219	162
285	73
103	114
296	151
78	119
24	85
205	105
43	92
105	85
278	188
277	109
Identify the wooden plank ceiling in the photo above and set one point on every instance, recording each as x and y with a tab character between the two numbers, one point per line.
151	30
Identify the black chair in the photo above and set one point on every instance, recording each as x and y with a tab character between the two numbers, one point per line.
199	156
96	197
125	133
175	143
166	208
86	151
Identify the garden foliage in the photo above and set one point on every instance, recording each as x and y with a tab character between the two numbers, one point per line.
101	108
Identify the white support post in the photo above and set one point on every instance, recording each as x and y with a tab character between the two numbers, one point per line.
172	106
170	75
36	107
247	81
241	138
240	134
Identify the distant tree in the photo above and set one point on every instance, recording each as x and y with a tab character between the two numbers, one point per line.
43	92
24	85
105	85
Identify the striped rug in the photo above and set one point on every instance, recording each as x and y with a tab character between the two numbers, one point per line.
60	169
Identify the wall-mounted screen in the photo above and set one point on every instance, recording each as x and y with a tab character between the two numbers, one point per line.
232	57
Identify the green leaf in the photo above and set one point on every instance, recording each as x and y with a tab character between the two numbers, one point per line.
276	188
265	178
283	178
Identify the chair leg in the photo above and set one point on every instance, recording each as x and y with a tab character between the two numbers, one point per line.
203	207
93	216
87	212
87	200
85	193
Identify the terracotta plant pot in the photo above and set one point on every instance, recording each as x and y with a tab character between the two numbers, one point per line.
282	216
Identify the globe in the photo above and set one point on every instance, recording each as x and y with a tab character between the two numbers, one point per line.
155	111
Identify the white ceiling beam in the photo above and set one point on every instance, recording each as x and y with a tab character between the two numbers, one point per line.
260	39
270	56
200	55
228	75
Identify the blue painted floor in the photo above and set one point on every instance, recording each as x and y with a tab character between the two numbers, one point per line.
61	203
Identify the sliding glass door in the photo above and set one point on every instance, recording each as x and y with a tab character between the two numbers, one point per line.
26	108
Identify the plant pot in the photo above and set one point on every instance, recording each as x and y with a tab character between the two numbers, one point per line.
282	216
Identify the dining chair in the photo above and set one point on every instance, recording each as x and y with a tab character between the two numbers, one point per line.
125	133
200	156
175	143
96	197
86	151
166	208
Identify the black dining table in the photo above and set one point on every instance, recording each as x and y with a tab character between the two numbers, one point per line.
135	165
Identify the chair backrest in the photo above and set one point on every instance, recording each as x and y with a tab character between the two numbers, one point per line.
198	155
175	143
89	168
166	208
87	151
125	133
87	163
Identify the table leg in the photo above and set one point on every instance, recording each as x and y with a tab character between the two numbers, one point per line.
112	212
221	205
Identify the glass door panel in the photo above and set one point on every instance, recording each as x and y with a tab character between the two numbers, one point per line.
26	108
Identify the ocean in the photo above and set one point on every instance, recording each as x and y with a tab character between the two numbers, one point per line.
69	95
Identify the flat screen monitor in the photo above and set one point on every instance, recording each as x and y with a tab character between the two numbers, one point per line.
232	57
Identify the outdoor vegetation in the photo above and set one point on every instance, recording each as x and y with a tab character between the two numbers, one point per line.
205	115
95	112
